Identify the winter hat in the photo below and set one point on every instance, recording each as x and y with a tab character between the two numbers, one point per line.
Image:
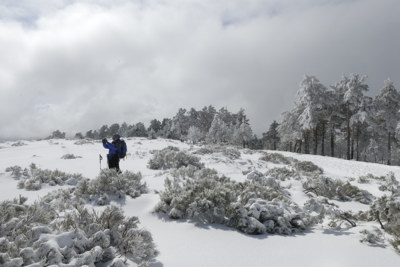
116	136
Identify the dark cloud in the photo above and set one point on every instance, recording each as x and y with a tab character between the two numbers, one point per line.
76	65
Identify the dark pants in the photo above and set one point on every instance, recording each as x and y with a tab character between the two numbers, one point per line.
113	163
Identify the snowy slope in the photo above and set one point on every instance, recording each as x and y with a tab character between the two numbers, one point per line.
184	243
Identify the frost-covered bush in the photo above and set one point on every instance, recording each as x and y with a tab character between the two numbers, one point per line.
20	228
111	185
70	156
18	143
84	142
170	157
365	179
187	172
33	178
259	216
374	237
307	168
204	197
60	230
389	183
41	234
17	172
278	158
231	153
261	187
256	206
205	151
386	210
336	189
100	237
255	175
330	211
283	174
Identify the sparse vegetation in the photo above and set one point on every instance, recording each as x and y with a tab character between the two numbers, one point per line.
278	158
34	177
336	189
171	157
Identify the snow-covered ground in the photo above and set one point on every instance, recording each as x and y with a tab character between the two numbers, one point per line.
184	243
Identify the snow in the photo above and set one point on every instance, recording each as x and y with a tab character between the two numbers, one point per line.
185	243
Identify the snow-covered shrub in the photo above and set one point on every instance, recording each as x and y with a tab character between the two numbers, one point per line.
262	187
390	184
386	210
307	168
283	174
112	229
231	153
18	143
34	177
256	206
84	142
255	175
259	216
184	172
16	171
205	150
278	158
70	156
111	185
374	237
365	179
336	189
42	235
204	197
170	157
319	205
20	226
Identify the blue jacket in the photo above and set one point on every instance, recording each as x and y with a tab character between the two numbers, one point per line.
113	150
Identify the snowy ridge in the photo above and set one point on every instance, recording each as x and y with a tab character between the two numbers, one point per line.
337	196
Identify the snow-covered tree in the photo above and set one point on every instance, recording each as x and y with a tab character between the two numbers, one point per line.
104	131
242	134
219	131
114	128
180	124
387	115
195	134
57	134
312	103
350	96
124	129
289	131
139	130
155	125
205	118
271	137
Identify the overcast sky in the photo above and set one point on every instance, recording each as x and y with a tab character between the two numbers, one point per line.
77	65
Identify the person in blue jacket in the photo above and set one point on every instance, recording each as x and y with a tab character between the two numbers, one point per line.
116	150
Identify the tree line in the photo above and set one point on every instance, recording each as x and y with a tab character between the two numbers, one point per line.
207	125
340	121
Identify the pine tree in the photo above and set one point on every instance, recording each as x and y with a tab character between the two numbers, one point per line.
271	137
387	115
114	128
350	94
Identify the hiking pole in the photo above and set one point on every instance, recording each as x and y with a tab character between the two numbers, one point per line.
100	158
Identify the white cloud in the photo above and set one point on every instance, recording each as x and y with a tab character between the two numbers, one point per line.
98	62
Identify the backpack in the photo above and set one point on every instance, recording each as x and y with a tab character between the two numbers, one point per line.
121	145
